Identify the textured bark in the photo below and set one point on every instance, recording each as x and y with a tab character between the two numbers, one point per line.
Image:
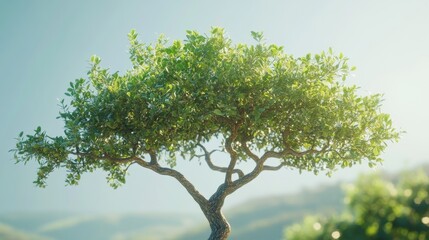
219	226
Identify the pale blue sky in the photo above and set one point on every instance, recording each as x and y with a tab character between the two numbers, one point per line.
46	44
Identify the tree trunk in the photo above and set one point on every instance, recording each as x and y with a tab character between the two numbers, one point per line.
212	210
219	226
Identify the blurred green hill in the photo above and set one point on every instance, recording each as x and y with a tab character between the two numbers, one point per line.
65	226
10	233
263	218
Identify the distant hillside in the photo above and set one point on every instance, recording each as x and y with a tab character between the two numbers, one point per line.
56	226
266	218
10	233
263	218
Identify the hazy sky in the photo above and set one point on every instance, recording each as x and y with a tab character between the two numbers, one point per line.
46	44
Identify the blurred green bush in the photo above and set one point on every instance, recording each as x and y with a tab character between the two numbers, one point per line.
377	209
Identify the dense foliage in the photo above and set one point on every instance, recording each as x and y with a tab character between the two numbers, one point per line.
378	209
180	94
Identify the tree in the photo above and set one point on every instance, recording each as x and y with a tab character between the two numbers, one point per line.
178	96
382	211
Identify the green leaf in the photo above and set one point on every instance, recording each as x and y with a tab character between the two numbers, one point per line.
218	112
132	35
95	59
258	36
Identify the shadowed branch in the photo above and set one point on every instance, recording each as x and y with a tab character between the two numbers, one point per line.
207	157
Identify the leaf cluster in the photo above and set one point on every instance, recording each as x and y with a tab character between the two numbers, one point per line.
183	93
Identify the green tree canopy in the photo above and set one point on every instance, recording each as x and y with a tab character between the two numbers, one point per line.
179	95
378	209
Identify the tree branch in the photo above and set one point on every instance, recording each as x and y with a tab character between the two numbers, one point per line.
207	157
288	148
255	172
312	150
153	158
273	154
258	169
154	166
274	168
233	154
289	151
249	153
104	156
245	179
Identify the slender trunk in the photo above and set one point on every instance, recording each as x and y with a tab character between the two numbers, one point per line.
219	226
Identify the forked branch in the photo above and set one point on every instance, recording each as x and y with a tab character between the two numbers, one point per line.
212	166
154	166
104	156
274	168
249	152
232	153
